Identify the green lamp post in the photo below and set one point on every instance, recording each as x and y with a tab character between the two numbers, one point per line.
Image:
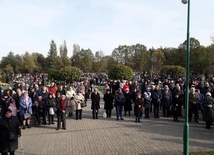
186	124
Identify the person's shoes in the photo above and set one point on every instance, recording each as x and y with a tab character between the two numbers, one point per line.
93	117
28	126
52	123
196	121
117	119
139	121
57	128
76	118
23	127
64	128
97	118
49	123
158	117
122	119
135	120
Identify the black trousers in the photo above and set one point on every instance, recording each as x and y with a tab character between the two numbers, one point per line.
50	119
108	113
191	111
61	118
208	124
147	113
11	153
78	114
156	110
166	111
95	113
42	114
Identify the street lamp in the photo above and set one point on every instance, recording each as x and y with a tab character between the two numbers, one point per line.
186	124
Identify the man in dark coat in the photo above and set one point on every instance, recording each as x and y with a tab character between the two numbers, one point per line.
108	99
9	132
95	104
156	100
119	103
128	102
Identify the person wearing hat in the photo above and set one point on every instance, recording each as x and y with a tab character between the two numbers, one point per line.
9	133
208	114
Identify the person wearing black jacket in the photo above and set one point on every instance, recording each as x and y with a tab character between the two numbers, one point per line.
95	103
9	133
108	105
61	112
156	100
51	103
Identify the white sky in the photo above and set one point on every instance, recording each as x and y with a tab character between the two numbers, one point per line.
29	25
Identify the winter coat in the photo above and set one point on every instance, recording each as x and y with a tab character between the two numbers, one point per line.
108	99
147	99
7	144
128	102
78	98
24	107
59	107
178	98
51	103
95	101
208	114
166	99
138	108
156	96
5	103
119	99
193	100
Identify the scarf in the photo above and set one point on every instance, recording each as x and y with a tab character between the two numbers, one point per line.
63	103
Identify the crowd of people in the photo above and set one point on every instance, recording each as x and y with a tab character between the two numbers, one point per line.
168	96
41	104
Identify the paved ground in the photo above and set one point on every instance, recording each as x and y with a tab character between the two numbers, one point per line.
110	137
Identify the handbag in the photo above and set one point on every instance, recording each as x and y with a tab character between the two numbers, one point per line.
83	104
27	115
104	115
51	111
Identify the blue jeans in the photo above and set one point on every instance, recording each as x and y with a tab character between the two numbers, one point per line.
119	111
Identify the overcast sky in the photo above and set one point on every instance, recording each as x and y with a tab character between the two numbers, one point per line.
30	25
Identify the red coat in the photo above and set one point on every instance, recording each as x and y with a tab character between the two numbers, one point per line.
52	90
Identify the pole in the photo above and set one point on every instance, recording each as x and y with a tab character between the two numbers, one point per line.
186	124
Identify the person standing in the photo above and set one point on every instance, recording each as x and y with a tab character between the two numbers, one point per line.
9	133
193	104
128	102
61	113
26	107
138	108
147	101
108	105
119	103
51	105
166	100
156	100
70	101
95	103
208	114
78	98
